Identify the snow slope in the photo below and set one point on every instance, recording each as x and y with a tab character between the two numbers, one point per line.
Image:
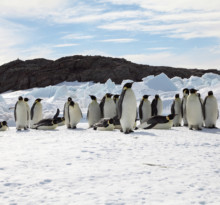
84	166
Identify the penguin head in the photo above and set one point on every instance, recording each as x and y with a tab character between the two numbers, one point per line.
54	121
111	121
127	85
4	123
171	116
156	96
177	96
210	93
193	91
72	103
69	99
38	100
93	97
26	99
108	95
20	98
115	97
145	97
186	91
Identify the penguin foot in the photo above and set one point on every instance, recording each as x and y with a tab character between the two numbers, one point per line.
127	132
131	131
136	128
25	128
186	125
74	127
19	129
94	128
121	130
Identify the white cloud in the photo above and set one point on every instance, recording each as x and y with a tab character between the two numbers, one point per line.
77	36
119	40
197	58
65	45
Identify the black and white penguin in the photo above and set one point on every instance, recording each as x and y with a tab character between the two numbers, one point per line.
160	122
176	109
194	111
127	111
105	124
60	120
46	124
108	106
20	114
28	112
183	106
94	112
210	110
36	112
3	126
156	106
145	109
66	112
75	114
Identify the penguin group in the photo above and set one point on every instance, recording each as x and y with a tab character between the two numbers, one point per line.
120	112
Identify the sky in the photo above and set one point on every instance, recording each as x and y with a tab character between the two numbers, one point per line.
180	33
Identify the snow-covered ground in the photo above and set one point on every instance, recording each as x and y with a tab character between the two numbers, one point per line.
83	166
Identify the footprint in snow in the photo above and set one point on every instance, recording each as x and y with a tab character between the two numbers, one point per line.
46	181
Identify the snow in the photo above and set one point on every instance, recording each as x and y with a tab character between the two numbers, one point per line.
83	166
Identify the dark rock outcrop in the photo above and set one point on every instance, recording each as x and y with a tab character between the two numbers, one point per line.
18	74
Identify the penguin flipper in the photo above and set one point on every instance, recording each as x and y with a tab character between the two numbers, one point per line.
203	107
32	110
57	114
151	126
120	104
182	108
154	107
140	110
101	105
172	108
15	111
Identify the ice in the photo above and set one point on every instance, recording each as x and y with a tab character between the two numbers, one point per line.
161	82
84	166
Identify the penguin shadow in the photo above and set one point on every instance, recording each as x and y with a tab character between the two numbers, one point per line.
143	133
211	130
76	129
21	131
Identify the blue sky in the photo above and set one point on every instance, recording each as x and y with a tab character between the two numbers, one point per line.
181	33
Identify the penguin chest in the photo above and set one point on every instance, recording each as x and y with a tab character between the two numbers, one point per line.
21	113
37	116
109	108
159	107
129	110
109	128
75	114
146	110
46	127
94	113
166	125
211	110
194	110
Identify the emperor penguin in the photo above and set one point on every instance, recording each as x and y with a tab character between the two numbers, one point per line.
144	109
108	106
3	126
116	99
46	124
74	113
210	110
156	106
127	111
94	112
160	122
36	112
66	112
28	112
20	114
183	106
176	109
60	120
105	124
194	111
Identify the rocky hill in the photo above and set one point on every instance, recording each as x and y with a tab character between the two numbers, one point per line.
19	75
